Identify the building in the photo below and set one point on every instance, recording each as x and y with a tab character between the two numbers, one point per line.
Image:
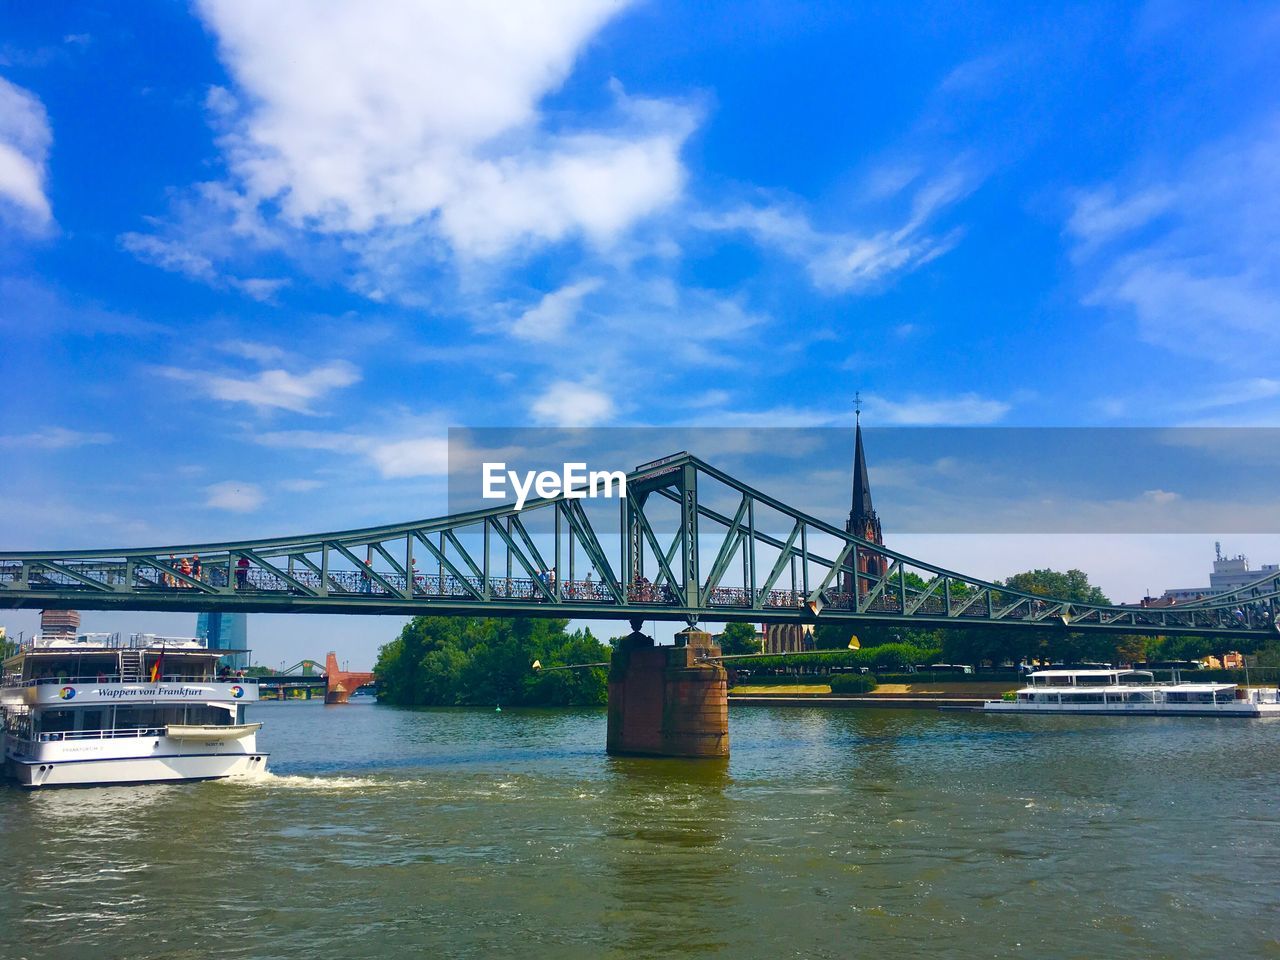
226	631
863	521
787	637
59	623
1229	573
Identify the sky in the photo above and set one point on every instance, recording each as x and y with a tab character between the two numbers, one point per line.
257	258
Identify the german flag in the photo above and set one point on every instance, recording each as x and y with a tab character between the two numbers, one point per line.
157	666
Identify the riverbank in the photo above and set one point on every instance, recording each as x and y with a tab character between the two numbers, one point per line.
917	702
913	696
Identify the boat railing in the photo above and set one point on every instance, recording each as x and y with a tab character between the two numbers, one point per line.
110	678
71	643
118	734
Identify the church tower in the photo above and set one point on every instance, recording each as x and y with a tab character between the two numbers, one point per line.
863	521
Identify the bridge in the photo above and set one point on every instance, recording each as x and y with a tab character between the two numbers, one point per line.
336	685
688	542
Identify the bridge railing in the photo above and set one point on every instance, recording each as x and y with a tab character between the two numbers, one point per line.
382	584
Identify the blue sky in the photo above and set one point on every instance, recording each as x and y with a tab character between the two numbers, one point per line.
255	259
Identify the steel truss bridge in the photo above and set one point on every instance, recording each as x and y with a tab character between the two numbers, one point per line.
687	542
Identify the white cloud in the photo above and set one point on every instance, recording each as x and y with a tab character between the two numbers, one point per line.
786	415
417	457
24	148
410	456
566	404
854	261
360	119
252	350
1159	496
554	312
271	389
963	410
169	255
234	495
1191	254
1240	403
262	289
55	438
182	256
1099	216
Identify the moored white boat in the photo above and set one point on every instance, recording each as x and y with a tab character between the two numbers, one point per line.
1118	692
97	710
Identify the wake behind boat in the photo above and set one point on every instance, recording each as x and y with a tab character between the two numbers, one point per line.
1134	693
94	709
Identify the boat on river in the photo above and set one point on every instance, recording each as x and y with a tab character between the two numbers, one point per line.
96	709
1119	692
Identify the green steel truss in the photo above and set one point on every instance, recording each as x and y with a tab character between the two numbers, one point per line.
660	553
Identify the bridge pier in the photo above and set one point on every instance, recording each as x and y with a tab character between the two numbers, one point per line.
667	701
341	684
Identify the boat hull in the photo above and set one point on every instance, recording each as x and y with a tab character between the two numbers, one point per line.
122	770
1242	709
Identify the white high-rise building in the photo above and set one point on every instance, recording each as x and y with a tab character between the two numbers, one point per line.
1229	573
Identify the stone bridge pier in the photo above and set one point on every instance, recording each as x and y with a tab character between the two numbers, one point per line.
668	701
341	684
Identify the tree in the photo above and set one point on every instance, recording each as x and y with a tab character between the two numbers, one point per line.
738	638
836	635
1132	648
1053	643
1072	585
452	661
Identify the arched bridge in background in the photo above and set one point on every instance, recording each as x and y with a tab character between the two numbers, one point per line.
687	542
308	676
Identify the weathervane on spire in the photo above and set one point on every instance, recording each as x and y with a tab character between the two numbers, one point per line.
857	405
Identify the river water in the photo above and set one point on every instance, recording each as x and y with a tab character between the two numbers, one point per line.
829	833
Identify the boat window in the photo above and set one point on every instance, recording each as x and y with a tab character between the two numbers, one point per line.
1185	696
57	721
207	716
129	718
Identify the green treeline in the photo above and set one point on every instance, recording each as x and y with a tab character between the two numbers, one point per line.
458	661
885	657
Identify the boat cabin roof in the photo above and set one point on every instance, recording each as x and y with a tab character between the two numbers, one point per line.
42	649
1116	672
1118	677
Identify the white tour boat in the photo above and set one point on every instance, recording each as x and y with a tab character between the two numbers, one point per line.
1134	693
94	709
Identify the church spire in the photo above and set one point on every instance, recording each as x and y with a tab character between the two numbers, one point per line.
862	510
862	515
863	522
